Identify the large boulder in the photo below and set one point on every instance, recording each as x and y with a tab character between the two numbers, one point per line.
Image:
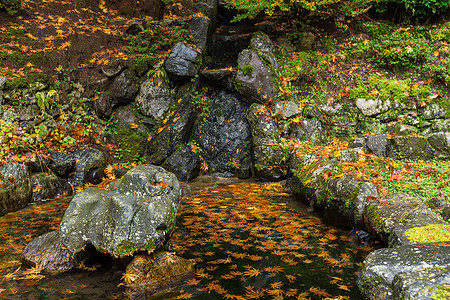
46	252
411	147
257	76
182	62
89	167
16	189
56	161
224	135
405	272
153	98
138	213
270	161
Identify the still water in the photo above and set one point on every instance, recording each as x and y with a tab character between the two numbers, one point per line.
248	241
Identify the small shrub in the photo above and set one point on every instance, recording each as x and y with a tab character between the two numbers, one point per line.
411	9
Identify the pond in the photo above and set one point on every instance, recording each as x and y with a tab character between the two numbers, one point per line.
247	238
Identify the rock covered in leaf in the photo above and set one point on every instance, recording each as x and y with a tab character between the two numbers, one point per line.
153	97
89	167
405	272
270	161
139	213
16	189
224	135
182	62
47	252
146	274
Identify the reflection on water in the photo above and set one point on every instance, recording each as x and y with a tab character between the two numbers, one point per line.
247	241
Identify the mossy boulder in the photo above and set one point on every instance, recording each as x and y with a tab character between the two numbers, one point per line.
399	211
411	147
138	213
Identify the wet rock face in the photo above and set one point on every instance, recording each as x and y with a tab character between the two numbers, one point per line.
405	272
224	136
89	167
50	186
58	162
149	274
16	190
46	252
176	131
137	214
182	62
184	163
269	160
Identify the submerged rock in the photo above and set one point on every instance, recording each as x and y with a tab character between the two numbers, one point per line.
138	214
149	274
50	186
184	163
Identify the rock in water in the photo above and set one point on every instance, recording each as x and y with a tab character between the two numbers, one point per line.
46	252
146	275
137	215
16	190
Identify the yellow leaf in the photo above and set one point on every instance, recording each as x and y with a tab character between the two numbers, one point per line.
436	53
416	85
374	92
134	126
337	153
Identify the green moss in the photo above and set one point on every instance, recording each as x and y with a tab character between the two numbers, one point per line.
126	248
247	70
429	234
143	64
131	143
440	293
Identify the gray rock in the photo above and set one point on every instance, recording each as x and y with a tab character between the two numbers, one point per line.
89	167
369	107
359	142
434	111
182	62
219	78
103	105
286	109
16	190
257	74
208	8
306	42
399	210
201	27
153	98
378	144
394	273
254	78
50	186
2	85
124	117
309	130
440	141
58	162
224	135
411	147
270	161
139	214
184	163
177	130
124	88
135	27
47	252
113	68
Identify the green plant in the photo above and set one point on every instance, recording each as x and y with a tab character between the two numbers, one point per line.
44	100
201	102
247	70
109	126
411	9
10	6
